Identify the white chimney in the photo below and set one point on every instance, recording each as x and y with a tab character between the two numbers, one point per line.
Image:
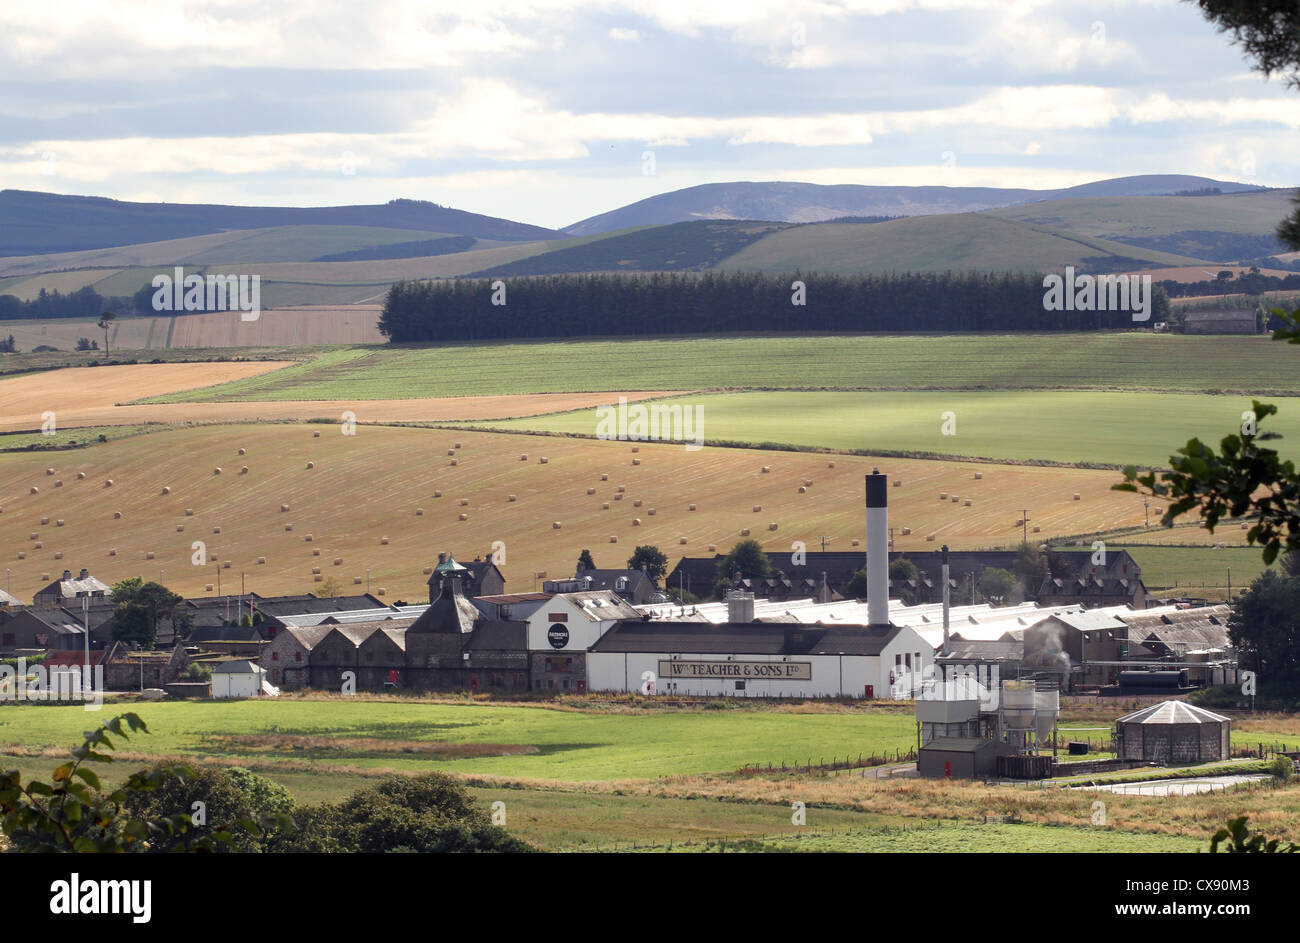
877	548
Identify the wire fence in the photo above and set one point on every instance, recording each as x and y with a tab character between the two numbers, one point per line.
836	763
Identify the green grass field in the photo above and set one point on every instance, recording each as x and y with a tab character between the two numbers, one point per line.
1194	567
1122	361
1076	426
569	746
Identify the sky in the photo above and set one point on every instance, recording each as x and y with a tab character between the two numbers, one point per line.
549	111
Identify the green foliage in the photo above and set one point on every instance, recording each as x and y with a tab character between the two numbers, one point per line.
75	812
233	802
1282	768
996	584
196	671
1265	622
856	588
585	562
1031	568
1242	842
900	572
140	606
746	558
652	558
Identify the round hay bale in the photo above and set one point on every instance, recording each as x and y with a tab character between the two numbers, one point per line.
897	483
943	496
907	531
979	475
523	457
311	464
243	469
261	560
49	471
681	540
318	578
690	507
36	490
457	445
1245	526
618	497
543	460
605	506
621	488
225	564
316	435
1036	528
636	448
39	545
757	508
807	482
33	535
830	464
613	538
437	494
636	461
803	490
217	470
855	543
288	527
966	503
58	482
464	517
383	540
356	581
713	548
283	508
107	484
771	526
22	554
513	497
180	528
315	570
80	475
45	520
212	558
308	538
207	587
651	512
636	503
45	576
315	551
604	477
767	469
1076	496
189	512
745	532
242	451
117	515
464	502
451	451
555	525
419	512
591	491
380	591
148	555
930	538
58	554
452	462
636	522
216	530
59	522
955	499
427	571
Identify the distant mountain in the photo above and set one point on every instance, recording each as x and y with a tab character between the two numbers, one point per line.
33	223
810	202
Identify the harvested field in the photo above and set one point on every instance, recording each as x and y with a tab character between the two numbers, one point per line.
368	485
309	324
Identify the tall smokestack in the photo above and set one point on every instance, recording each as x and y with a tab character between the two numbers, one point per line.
877	548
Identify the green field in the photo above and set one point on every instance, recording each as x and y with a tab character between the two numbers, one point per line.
1195	567
569	746
1080	427
1121	361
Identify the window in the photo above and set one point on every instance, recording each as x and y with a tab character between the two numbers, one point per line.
297	656
275	656
557	617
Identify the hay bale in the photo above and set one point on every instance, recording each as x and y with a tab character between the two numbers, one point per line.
897	482
427	571
803	490
148	555
943	496
117	515
451	451
288	527
636	522
261	560
604	477
771	526
383	541
1036	528
543	460
636	503
618	497
22	554
49	471
636	448
757	508
907	531
621	488
242	451
745	532
830	464
80	475
437	494
513	497
807	482
591	491
315	551
855	543
59	522
311	464
308	538
58	554
955	499
316	435
605	506
107	484
212	558
243	469
457	445
681	540
929	538
283	508
39	545
318	578
464	517
1076	496
180	528
464	502
966	503
636	461
217	470
45	520
36	490
767	469
58	483
713	548
380	591
315	570
33	535
207	587
690	507
651	512
216	530
189	512
45	576
419	512
979	475
356	581
555	525
613	538
225	564
523	457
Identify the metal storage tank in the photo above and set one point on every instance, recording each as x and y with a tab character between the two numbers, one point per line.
1173	732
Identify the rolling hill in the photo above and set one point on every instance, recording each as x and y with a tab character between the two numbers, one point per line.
810	202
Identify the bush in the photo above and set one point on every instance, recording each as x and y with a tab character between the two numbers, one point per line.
1282	767
215	799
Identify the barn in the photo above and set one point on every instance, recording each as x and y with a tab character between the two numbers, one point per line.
1172	732
241	678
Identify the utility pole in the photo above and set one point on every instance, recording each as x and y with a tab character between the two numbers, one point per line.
825	540
1024	526
1146	511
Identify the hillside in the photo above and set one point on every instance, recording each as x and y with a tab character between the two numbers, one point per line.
809	202
34	223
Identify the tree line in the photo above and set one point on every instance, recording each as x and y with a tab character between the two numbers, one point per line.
684	303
